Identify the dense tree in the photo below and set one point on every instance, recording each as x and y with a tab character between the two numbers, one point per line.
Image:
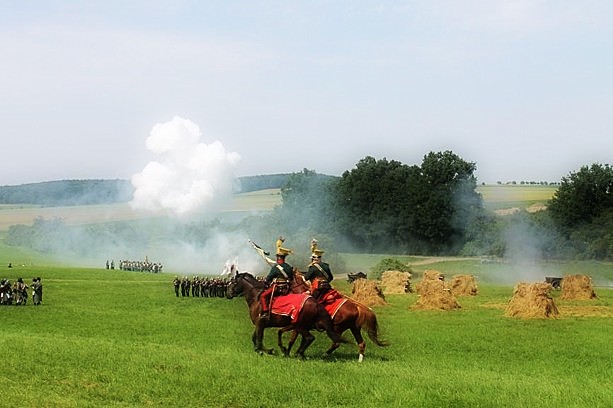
450	201
583	196
369	201
382	205
306	200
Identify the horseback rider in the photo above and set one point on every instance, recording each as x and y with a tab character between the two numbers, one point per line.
279	276
319	274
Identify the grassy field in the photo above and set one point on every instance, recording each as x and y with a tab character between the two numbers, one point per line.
497	197
122	339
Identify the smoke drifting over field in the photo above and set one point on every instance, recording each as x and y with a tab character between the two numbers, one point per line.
189	182
190	178
525	245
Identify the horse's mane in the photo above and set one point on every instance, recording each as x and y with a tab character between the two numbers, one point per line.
250	278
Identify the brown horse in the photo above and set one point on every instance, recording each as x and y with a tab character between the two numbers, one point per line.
351	315
312	316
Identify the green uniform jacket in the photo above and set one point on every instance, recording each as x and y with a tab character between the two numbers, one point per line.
314	272
276	273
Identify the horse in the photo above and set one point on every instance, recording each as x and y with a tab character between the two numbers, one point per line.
312	316
350	315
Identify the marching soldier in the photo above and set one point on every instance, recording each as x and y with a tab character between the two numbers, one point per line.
319	274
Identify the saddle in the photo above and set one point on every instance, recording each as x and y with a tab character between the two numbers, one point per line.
330	297
280	287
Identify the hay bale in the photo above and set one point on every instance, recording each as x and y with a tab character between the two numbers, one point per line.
431	274
367	292
532	301
463	285
434	294
396	282
577	287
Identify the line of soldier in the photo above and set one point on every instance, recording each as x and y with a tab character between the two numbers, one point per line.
17	293
200	286
140	266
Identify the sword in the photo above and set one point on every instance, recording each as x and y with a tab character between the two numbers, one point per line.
262	253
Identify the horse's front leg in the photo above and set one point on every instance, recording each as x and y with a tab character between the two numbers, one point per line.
280	340
259	338
307	339
334	346
292	340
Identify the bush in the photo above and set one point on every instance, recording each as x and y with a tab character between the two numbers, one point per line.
388	264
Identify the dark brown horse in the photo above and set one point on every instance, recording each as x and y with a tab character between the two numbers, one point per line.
351	315
312	316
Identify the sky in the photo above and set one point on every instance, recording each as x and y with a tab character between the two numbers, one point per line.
524	89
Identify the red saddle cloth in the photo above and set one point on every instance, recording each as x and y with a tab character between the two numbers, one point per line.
289	305
332	300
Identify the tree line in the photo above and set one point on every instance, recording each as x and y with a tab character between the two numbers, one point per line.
90	192
385	206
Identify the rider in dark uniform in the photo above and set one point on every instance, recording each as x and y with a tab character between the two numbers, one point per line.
319	274
279	274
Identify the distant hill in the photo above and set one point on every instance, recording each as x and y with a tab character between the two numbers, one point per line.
89	192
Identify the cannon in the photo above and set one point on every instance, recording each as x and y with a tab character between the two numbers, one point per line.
553	281
351	277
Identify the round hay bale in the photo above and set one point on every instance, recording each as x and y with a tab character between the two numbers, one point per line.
532	301
433	294
396	282
367	292
577	287
464	285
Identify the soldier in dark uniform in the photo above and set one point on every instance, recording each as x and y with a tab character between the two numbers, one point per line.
21	292
37	291
279	275
319	274
176	282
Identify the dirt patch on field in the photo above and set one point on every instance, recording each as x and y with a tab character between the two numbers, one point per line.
532	301
434	293
577	287
536	208
464	285
507	211
367	292
396	282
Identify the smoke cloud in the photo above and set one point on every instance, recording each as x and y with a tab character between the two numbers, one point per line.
190	177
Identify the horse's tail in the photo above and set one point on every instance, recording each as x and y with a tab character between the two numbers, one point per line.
368	320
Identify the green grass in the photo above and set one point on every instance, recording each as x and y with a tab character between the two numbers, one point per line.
122	339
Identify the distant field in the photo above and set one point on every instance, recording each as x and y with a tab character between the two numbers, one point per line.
86	214
495	198
515	196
